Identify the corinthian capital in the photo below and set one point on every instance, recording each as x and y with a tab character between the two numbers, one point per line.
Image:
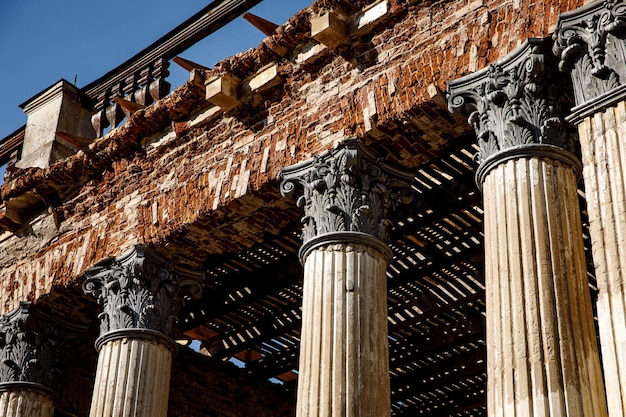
140	290
346	190
591	45
516	105
33	348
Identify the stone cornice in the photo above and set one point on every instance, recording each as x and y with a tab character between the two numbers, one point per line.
140	290
517	102
33	348
346	189
55	91
591	45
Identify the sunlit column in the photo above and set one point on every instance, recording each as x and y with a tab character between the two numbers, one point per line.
346	195
591	45
140	294
542	356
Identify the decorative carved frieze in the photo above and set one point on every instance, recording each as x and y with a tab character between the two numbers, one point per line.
346	190
591	45
516	103
33	348
140	290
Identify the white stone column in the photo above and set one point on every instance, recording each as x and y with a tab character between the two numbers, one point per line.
542	355
32	352
133	376
591	45
25	403
140	294
344	353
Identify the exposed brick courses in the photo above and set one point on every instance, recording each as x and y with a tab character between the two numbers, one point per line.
191	190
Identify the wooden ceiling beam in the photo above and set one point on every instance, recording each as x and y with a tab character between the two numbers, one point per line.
471	362
450	404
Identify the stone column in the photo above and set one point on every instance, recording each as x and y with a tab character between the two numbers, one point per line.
31	357
140	294
542	355
591	45
346	195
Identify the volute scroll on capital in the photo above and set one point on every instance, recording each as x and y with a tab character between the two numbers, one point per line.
346	190
591	45
140	290
517	107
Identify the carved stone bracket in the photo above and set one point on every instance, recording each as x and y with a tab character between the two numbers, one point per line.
591	45
517	105
346	190
140	291
33	349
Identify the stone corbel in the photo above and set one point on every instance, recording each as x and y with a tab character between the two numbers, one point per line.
330	29
16	212
223	91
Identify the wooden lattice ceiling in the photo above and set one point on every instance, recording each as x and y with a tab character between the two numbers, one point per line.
251	307
436	298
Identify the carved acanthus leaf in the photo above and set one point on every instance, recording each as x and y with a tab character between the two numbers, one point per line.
139	290
346	190
518	101
33	347
591	44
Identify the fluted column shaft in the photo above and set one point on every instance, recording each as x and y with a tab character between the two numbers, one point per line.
591	46
25	404
140	294
132	379
542	354
603	143
344	354
346	194
541	345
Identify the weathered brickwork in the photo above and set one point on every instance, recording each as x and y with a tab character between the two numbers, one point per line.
191	184
201	387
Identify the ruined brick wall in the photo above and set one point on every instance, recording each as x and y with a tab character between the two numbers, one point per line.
201	387
191	182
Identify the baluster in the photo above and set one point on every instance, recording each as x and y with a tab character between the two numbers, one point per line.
141	93
99	120
130	85
114	112
159	88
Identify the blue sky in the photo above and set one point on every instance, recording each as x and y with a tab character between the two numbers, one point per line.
42	41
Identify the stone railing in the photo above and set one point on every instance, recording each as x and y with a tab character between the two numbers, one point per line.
137	82
142	79
141	87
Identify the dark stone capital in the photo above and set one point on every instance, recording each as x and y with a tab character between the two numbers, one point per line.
33	348
517	106
142	291
591	45
346	190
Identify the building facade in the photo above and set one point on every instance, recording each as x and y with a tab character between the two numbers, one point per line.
389	207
